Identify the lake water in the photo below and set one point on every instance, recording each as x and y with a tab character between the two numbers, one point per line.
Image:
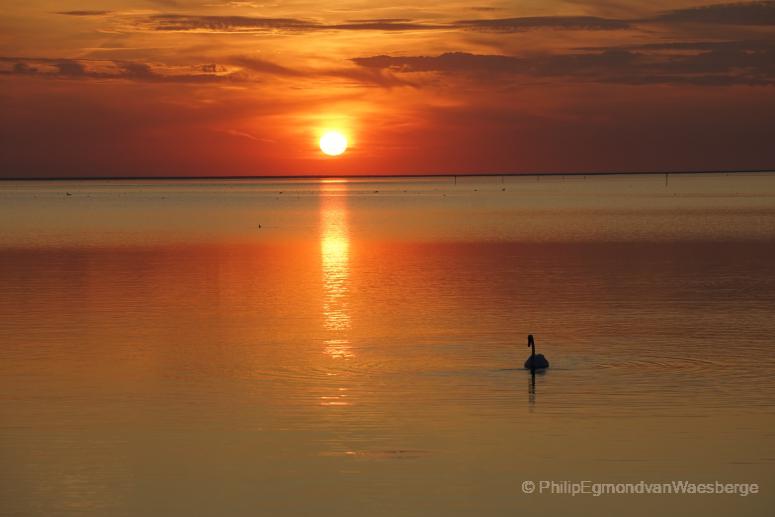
326	347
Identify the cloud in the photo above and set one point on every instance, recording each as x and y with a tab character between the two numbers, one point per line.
745	13
241	134
747	46
237	4
359	75
450	62
546	65
84	13
249	24
183	22
69	68
262	66
369	77
379	20
759	13
113	69
24	69
710	64
132	70
236	69
383	25
241	24
589	23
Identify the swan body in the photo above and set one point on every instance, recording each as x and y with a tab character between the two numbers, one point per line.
535	361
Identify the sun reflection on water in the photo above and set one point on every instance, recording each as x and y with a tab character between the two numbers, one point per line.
335	256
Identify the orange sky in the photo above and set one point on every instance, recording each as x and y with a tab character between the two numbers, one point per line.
211	87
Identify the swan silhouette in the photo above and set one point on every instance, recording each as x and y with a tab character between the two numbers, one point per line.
535	361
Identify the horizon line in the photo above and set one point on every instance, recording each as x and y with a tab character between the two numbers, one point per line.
371	176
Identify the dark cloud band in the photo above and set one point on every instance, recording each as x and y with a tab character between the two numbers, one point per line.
712	64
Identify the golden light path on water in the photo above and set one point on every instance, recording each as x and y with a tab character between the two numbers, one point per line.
335	260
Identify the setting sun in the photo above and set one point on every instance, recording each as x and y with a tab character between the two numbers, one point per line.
333	143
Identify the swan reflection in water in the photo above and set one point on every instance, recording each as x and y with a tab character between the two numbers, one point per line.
531	386
335	260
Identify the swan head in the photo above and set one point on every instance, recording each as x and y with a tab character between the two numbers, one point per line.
530	341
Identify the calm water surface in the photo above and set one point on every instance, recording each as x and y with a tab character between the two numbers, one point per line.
354	347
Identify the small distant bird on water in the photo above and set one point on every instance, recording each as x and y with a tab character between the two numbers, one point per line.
535	361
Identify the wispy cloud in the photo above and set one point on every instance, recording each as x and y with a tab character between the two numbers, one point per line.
744	13
234	69
263	66
112	69
761	13
450	62
711	64
384	25
680	62
84	13
590	23
189	23
243	24
246	24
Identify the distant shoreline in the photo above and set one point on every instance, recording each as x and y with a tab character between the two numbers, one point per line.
390	176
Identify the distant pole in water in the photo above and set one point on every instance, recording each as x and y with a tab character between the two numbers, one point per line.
666	174
455	178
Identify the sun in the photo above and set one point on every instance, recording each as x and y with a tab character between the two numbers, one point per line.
333	143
